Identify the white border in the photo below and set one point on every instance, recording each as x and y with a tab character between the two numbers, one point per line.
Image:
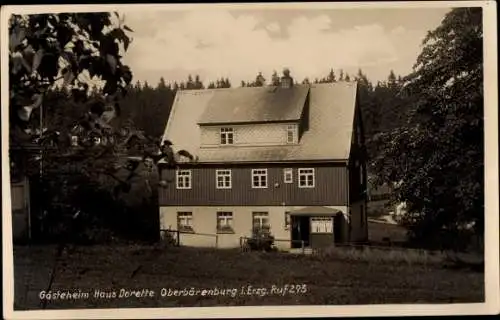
492	288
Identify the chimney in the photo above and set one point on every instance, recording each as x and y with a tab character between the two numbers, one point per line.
286	80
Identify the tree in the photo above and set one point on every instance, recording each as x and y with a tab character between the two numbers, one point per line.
52	58
46	48
435	161
223	83
341	76
392	80
275	79
331	76
259	80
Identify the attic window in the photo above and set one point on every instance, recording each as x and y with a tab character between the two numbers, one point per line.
226	136
290	134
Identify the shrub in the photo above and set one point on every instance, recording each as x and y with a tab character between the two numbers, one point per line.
261	239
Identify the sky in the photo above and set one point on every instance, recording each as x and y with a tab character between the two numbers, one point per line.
239	43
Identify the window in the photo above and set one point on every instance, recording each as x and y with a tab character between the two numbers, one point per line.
260	220
288	175
225	222
321	225
223	179
290	134
226	136
183	179
185	221
74	141
287	220
306	178
259	178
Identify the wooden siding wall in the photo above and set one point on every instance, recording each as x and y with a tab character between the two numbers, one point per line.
330	188
358	154
248	135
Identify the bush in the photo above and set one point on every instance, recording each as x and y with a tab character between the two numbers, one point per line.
261	239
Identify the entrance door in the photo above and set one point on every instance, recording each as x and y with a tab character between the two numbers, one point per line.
337	227
300	231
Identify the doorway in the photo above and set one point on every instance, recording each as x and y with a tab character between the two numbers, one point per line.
300	231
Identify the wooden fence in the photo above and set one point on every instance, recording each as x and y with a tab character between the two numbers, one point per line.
175	236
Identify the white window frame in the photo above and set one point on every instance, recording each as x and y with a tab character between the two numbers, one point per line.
306	172
321	225
260	216
226	178
184	221
227	218
226	136
291	131
288	220
185	176
288	175
261	173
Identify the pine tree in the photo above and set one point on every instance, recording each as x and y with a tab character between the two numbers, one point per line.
391	79
275	79
190	84
259	80
331	76
197	83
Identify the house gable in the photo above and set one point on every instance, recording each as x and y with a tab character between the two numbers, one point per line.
324	116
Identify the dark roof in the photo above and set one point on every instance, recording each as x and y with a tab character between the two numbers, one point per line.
255	104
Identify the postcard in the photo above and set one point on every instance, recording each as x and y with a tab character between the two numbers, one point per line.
250	160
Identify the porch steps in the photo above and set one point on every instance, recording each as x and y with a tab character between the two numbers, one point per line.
301	251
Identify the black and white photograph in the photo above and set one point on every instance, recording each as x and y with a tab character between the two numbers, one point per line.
249	160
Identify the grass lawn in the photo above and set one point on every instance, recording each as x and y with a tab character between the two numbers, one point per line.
335	279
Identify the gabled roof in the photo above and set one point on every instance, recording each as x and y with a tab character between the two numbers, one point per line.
331	120
255	104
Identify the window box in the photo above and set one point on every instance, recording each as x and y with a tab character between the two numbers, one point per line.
186	229
225	230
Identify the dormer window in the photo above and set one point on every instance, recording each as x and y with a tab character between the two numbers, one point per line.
291	133
226	136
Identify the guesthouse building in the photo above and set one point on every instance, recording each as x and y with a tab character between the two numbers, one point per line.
289	157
